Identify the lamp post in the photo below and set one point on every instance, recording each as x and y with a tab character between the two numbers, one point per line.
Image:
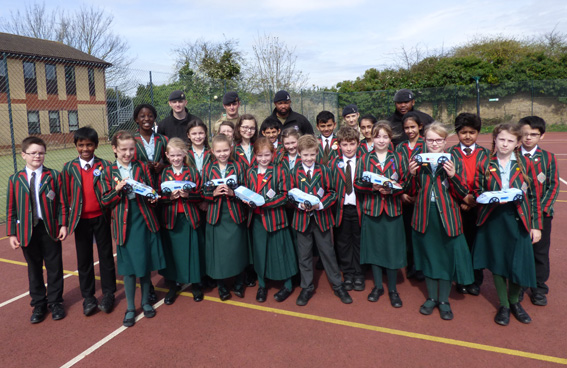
477	95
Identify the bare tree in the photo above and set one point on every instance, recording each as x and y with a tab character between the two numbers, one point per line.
273	65
89	29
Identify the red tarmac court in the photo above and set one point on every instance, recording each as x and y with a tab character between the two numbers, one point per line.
325	333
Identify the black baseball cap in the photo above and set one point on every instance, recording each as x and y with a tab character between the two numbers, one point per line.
230	97
350	109
281	96
404	95
177	95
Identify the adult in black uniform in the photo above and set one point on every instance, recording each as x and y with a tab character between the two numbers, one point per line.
286	117
404	100
175	125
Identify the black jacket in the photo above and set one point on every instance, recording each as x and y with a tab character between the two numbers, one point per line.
171	127
294	119
398	127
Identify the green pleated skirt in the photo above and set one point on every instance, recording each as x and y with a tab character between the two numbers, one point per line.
504	246
142	250
440	256
181	250
274	252
226	246
383	241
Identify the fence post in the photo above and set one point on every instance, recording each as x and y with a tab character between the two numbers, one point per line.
532	94
323	100
477	96
456	100
9	100
152	89
302	101
117	105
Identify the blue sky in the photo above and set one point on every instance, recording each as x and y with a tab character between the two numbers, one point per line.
335	40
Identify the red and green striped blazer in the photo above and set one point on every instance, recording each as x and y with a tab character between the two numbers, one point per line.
18	205
283	160
338	176
278	181
117	202
169	207
363	147
235	207
73	188
207	156
480	153
448	191
547	175
240	156
334	146
407	152
160	143
487	178
321	180
373	203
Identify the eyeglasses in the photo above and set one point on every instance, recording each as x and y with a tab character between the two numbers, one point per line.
532	135
38	154
248	129
436	141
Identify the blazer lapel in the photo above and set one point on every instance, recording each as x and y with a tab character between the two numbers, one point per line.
23	178
495	171
267	176
45	178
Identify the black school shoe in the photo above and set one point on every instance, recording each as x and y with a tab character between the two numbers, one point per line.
197	293
282	295
359	285
152	297
107	303
395	299
224	294
502	317
171	295
539	299
304	297
239	290
343	295
129	322
427	310
446	315
261	295
57	311
89	306
519	312
375	294
38	314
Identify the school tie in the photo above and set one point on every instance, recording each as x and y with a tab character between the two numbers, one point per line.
35	218
528	155
87	167
468	151
326	152
348	172
309	176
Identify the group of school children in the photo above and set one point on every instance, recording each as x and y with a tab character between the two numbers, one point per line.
197	236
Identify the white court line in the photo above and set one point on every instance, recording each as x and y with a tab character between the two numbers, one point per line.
28	293
563	181
109	337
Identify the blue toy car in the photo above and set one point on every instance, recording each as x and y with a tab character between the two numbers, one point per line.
246	195
139	189
231	181
297	197
167	187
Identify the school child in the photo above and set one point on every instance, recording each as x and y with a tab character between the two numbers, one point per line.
365	125
245	134
272	245
415	144
199	152
271	130
440	248
507	231
347	225
227	128
35	221
547	175
289	157
181	218
150	146
381	210
469	153
134	224
313	225
328	144
226	235
88	219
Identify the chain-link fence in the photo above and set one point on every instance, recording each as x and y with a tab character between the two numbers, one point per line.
52	98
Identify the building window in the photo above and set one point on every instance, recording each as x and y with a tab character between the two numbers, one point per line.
51	79
70	85
30	81
92	90
3	77
33	123
73	121
54	122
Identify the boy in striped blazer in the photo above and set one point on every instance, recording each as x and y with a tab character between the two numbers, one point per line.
35	221
547	175
313	225
87	219
347	225
328	144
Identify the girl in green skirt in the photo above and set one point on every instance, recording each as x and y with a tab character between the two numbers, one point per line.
382	237
440	248
272	245
507	230
226	235
181	218
134	224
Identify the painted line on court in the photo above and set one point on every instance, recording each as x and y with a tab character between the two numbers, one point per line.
563	181
390	331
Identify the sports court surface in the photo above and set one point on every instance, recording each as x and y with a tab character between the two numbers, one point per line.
242	332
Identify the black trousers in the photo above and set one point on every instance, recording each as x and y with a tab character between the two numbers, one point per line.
44	249
347	244
98	228
469	230
541	256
